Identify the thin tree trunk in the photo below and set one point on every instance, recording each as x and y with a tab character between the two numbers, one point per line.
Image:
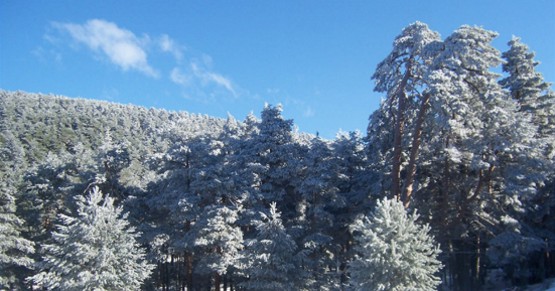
445	183
416	140
478	257
160	274
398	134
189	262
173	267
397	150
166	275
217	281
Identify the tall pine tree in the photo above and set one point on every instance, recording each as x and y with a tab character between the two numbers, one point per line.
401	76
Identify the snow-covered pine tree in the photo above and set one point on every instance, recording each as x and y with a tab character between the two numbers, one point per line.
271	256
273	149
172	206
218	240
394	251
113	157
15	250
352	170
268	163
95	250
525	84
214	239
184	206
48	188
532	92
477	143
400	77
521	251
316	221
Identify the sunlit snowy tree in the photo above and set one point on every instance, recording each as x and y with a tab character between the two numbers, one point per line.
399	125
532	92
95	250
394	251
274	152
525	84
480	146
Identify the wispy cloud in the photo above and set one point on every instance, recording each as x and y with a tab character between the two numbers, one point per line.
122	47
178	77
208	77
199	73
192	71
168	45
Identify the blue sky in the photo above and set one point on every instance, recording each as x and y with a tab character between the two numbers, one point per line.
214	57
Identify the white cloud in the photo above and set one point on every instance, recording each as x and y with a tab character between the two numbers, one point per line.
168	45
207	77
199	75
198	72
121	46
127	51
179	78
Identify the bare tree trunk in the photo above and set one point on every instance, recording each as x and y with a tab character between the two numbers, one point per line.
416	140
398	134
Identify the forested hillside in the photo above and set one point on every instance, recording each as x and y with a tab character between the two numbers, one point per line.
452	187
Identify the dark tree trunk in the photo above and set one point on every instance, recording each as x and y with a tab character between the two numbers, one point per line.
189	270
217	281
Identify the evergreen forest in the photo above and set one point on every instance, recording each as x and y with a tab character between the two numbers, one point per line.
452	186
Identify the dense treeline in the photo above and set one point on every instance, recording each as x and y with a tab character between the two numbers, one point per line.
254	205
